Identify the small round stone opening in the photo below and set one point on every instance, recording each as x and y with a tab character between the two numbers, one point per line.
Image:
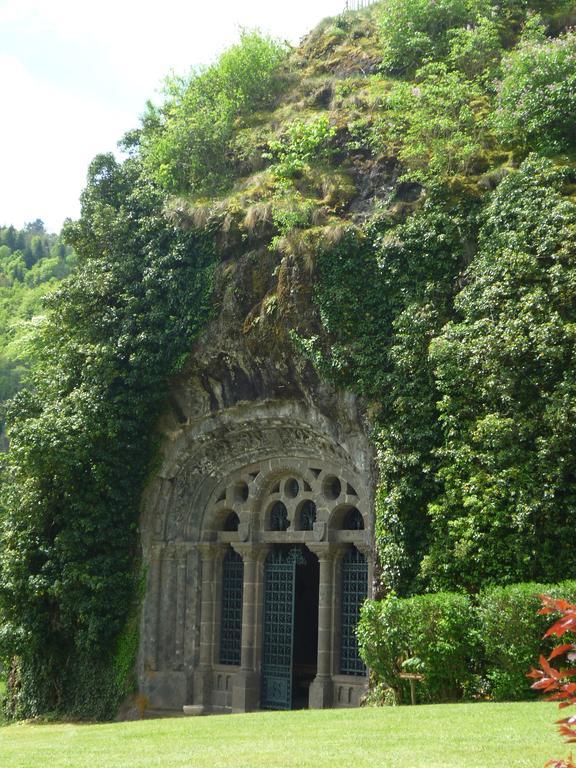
291	488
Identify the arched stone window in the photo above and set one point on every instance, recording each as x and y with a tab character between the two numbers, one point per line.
307	516
354	590
353	520
279	517
231	608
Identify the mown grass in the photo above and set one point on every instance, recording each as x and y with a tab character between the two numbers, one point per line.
442	736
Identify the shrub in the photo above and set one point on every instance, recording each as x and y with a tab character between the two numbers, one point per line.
186	141
304	142
474	49
416	30
432	634
439	124
558	683
511	631
537	95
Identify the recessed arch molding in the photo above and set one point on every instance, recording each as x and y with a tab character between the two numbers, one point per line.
255	479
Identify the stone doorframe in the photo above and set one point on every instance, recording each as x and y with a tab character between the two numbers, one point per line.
251	501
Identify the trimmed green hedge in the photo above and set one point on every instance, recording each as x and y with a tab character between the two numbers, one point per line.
511	631
464	646
428	634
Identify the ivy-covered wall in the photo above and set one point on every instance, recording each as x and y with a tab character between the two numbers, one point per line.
81	443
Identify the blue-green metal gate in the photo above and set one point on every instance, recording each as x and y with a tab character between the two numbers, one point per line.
278	627
354	592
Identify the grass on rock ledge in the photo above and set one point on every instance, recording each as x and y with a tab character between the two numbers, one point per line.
438	736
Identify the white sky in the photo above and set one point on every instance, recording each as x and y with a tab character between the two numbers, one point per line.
75	75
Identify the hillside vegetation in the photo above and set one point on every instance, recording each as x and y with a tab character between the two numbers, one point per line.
416	162
32	262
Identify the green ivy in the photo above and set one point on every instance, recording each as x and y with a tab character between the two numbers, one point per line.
505	373
383	296
82	445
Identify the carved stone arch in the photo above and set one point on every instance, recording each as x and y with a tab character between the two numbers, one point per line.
342	512
234	491
185	538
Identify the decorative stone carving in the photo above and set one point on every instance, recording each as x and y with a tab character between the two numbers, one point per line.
242	466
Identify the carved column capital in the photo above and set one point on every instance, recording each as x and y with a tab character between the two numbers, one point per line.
365	548
249	551
323	550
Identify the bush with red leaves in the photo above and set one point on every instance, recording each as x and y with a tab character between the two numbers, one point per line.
559	682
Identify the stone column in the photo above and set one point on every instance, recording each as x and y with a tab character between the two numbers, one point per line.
321	690
151	661
368	552
210	555
181	598
246	690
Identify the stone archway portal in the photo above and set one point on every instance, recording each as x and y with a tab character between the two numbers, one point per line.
254	592
290	627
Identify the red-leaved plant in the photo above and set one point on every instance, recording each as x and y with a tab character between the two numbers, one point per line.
559	683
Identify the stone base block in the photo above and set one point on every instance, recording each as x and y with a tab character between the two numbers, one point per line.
246	692
164	690
193	710
321	693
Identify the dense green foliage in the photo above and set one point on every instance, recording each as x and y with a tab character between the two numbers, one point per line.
512	631
454	311
416	30
81	445
188	142
431	635
439	123
505	372
536	104
464	647
32	263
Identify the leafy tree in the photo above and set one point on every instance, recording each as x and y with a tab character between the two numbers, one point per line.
35	227
24	280
476	49
81	443
414	31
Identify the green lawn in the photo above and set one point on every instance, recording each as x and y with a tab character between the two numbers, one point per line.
462	736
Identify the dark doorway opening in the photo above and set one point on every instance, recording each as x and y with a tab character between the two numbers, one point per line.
290	627
305	650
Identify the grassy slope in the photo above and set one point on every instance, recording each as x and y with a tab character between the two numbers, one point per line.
440	736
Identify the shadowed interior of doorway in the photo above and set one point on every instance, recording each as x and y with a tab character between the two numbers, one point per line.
305	651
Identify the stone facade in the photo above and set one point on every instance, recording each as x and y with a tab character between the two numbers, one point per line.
260	460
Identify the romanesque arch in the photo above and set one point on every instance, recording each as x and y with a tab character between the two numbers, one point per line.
270	499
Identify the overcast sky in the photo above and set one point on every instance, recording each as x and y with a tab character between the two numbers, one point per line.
75	75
